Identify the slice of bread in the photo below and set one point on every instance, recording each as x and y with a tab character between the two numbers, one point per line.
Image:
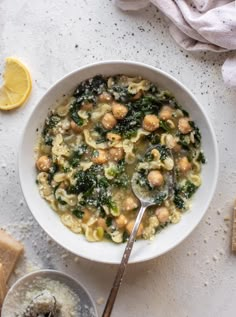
3	286
10	251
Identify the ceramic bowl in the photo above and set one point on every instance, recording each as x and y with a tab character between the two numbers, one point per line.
105	251
18	293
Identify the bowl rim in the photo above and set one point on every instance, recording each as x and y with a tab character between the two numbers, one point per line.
49	271
200	108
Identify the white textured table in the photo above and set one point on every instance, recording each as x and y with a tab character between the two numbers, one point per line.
198	278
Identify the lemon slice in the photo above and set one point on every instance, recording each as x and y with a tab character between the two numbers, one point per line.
16	86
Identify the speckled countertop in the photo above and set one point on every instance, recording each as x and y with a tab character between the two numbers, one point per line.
198	278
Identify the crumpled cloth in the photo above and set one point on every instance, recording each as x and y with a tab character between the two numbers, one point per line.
198	25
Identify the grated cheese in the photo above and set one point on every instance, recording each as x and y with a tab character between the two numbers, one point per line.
67	300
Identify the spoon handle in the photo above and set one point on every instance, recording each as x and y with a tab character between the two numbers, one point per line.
120	273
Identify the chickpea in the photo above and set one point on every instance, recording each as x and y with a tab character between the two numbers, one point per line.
64	184
177	148
121	221
75	127
109	121
166	113
130	225
43	163
138	95
105	97
150	122
100	157
184	126
155	178
130	203
102	223
116	154
86	215
119	111
162	214
184	165
113	136
87	106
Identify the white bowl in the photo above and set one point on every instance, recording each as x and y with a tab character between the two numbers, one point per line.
107	252
18	291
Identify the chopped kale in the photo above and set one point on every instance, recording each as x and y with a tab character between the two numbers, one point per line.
48	139
74	108
102	133
184	192
125	237
52	171
61	201
50	123
89	89
164	151
66	169
137	110
130	134
103	182
154	138
153	88
107	236
120	93
105	198
197	134
78	213
94	188
121	181
201	158
185	113
109	221
176	105
148	157
95	153
129	125
142	179
184	141
188	189
77	154
102	213
179	202
147	104
160	198
85	182
165	125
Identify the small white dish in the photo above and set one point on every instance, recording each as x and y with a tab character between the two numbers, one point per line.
17	293
104	251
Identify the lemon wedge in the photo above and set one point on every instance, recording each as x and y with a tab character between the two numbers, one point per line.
17	84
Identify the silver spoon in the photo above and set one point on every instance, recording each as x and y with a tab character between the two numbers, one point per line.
145	203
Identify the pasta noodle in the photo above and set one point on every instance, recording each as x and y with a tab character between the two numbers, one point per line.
143	85
91	142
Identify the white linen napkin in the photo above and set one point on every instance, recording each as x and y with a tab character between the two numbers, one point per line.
198	25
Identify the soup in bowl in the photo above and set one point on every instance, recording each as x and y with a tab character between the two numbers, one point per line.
86	138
